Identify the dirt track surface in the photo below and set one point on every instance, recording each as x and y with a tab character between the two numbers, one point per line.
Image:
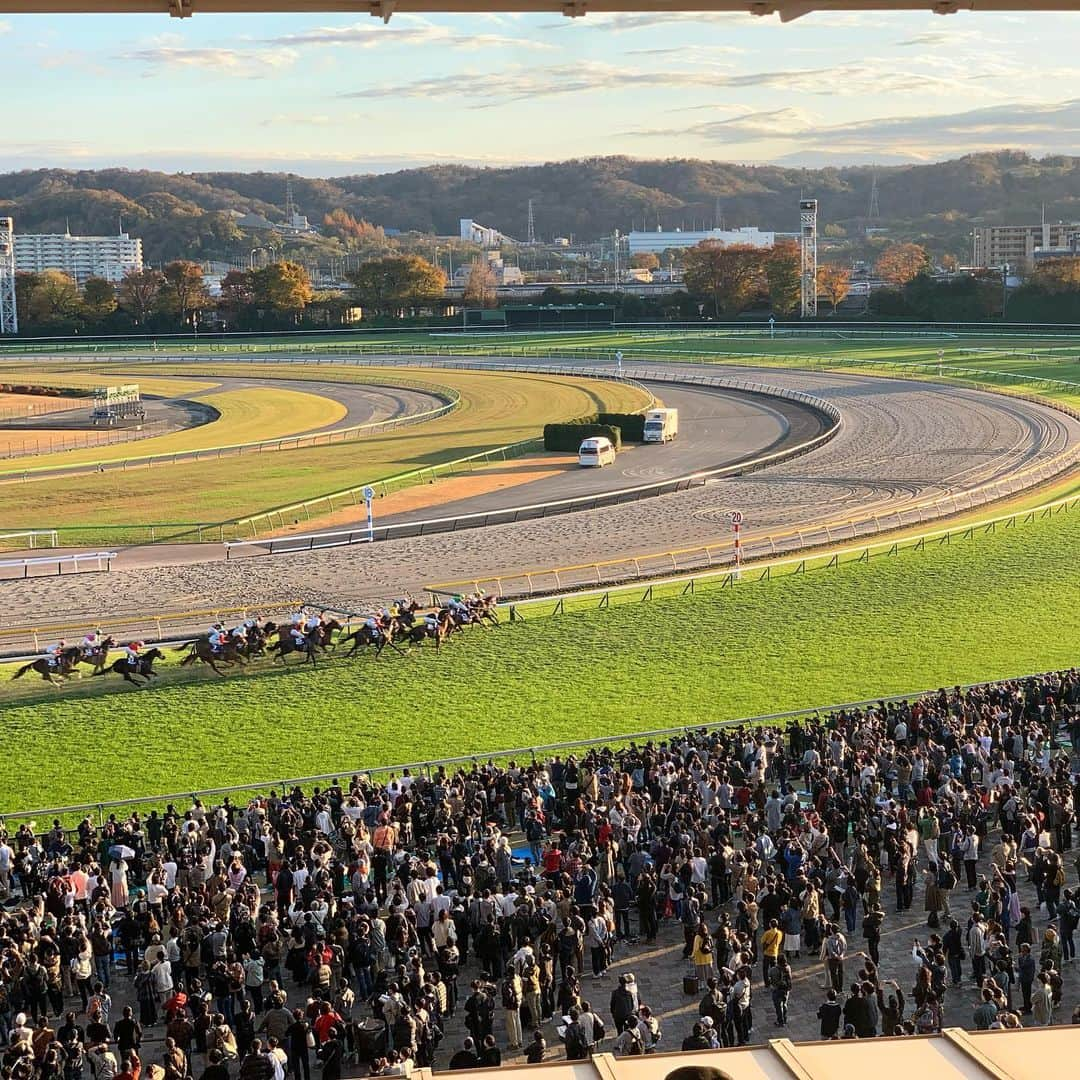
902	442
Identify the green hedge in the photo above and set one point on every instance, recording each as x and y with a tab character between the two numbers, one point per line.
632	425
567	437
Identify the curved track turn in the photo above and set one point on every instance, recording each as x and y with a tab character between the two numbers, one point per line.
903	442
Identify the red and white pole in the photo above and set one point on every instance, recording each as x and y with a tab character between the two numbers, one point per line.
736	525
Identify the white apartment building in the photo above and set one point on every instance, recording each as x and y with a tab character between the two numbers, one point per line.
661	240
80	257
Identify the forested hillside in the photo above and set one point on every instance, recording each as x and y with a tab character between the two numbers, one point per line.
195	215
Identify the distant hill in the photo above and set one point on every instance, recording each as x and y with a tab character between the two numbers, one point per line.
189	214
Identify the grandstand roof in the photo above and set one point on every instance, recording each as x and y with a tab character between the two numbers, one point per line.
1028	1054
384	9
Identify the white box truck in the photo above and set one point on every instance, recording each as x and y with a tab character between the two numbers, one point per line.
661	425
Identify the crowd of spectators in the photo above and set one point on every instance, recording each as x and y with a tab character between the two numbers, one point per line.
342	929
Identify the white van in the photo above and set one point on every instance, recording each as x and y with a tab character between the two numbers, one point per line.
596	451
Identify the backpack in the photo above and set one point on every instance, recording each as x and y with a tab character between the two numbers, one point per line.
636	1046
946	877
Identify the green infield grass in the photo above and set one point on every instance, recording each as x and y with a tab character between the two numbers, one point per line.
117	506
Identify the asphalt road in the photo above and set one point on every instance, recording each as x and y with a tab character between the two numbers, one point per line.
716	428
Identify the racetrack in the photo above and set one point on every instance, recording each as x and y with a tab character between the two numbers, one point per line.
903	443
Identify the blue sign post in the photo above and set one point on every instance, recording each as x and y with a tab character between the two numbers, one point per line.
369	496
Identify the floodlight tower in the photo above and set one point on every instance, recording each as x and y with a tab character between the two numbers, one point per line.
808	257
9	316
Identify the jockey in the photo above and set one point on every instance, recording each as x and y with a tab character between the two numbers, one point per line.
131	654
313	622
52	653
216	636
91	643
374	626
299	637
458	606
239	632
298	617
431	620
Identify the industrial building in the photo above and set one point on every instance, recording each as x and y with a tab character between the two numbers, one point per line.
80	257
1017	245
662	239
475	233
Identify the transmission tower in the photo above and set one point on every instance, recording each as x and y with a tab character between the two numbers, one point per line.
290	206
808	257
873	213
532	225
9	316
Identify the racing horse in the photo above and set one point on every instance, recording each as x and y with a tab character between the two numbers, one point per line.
440	632
97	658
379	636
201	650
64	666
315	641
143	667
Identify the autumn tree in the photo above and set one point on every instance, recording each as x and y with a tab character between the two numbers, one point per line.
480	286
644	260
98	299
283	286
1056	276
352	231
388	285
184	291
901	263
783	277
54	298
834	282
139	291
730	276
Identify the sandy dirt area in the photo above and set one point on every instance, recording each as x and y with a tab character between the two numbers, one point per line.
484	480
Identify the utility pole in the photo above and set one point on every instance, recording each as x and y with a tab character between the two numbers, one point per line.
531	239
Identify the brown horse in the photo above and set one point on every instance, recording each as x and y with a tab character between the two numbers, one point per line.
201	650
98	658
380	637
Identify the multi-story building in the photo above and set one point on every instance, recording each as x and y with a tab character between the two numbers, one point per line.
1016	245
661	240
80	257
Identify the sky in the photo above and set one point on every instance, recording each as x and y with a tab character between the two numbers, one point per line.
332	95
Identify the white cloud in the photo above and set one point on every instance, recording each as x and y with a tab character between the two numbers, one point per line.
521	83
245	63
413	33
793	134
623	22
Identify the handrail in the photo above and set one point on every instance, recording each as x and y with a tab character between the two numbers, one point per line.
59	561
527	753
52	534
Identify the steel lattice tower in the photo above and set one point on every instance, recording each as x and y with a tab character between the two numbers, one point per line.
531	228
9	316
808	257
